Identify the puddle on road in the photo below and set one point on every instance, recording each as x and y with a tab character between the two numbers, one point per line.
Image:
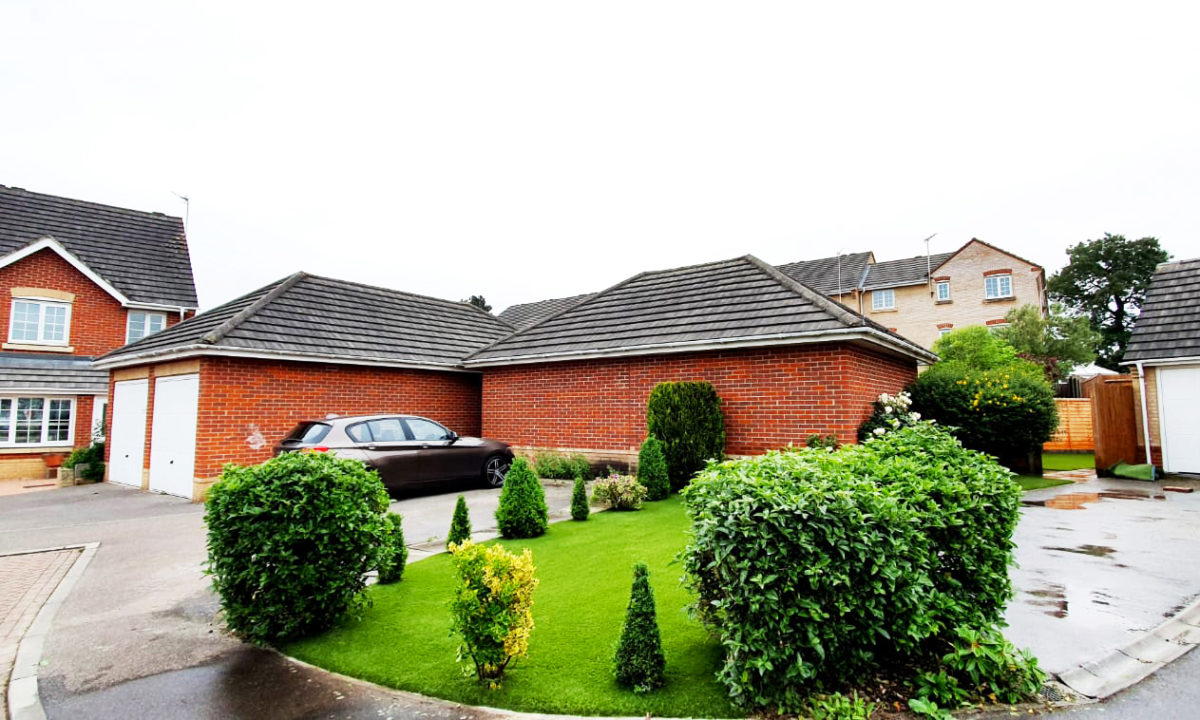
1076	500
1093	550
1053	597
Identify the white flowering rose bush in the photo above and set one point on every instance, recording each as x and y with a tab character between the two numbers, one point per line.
891	412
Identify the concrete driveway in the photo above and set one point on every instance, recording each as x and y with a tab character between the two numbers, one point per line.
138	629
137	635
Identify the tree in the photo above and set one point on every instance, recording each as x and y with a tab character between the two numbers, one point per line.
522	512
479	302
652	469
1058	343
974	346
579	500
1106	281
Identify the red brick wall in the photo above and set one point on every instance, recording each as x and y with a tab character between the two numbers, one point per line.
240	397
770	397
98	321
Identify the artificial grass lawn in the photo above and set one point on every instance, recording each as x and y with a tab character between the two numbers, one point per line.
1034	482
1068	461
586	572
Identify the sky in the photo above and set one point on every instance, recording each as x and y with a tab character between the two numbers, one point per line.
530	150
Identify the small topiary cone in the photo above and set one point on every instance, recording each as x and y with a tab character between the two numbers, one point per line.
460	524
639	663
394	554
652	469
522	512
579	500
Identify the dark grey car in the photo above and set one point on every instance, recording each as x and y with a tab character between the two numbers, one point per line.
406	450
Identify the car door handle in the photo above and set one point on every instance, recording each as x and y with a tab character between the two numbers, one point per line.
425	446
371	446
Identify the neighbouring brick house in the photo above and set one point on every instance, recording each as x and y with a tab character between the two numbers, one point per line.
921	298
786	361
227	385
78	279
1164	357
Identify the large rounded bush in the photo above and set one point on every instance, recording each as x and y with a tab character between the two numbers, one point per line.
686	417
1004	412
290	542
522	512
814	568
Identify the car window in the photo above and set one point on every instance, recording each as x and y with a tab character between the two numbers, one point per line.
387	430
307	432
359	433
423	429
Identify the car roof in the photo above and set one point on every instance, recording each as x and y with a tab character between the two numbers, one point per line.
374	416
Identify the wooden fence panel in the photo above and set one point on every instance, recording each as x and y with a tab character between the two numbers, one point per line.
1113	420
1074	433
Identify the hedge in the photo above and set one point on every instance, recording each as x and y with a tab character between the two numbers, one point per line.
815	567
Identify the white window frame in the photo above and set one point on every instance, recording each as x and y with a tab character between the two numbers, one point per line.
938	290
99	410
8	435
943	332
146	315
883	299
42	304
991	280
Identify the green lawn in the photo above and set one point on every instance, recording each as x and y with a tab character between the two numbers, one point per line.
1033	482
1067	461
586	570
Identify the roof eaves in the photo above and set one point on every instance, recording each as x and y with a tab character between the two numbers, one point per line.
986	244
180	352
47	242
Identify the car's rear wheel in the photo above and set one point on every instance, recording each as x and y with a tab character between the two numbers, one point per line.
495	469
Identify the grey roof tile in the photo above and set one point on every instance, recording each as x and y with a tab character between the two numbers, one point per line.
51	374
822	274
144	255
908	271
713	302
314	316
1169	324
526	314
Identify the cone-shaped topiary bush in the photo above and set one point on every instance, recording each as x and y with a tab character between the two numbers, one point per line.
579	500
522	512
460	524
392	554
652	469
639	662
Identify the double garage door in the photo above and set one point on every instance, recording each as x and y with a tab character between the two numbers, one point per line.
1179	405
172	433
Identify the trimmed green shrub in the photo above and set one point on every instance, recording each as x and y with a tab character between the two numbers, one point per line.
839	707
639	663
816	567
652	469
460	524
492	608
90	459
975	346
556	466
817	440
1003	412
686	418
522	512
579	500
619	492
989	664
290	540
394	554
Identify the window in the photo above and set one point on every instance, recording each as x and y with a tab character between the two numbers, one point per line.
36	421
943	332
142	324
39	322
425	429
883	299
943	290
994	326
997	286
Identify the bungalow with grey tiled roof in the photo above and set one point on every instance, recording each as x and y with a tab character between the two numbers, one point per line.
1164	355
228	384
78	279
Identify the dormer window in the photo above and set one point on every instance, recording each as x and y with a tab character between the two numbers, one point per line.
142	324
35	321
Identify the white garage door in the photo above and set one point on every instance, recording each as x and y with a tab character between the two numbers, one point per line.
127	436
173	435
1179	399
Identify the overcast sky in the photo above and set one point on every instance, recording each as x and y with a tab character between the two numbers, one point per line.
527	150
